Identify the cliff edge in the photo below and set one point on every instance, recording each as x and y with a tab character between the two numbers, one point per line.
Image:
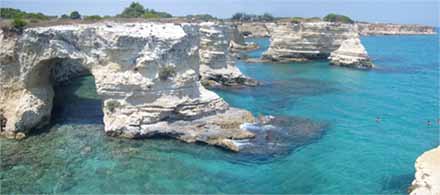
427	177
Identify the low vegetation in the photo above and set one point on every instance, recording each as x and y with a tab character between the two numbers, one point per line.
243	17
166	72
204	17
338	18
18	24
93	18
10	13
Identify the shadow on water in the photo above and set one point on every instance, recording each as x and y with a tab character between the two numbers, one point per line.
412	69
76	102
273	96
278	137
397	183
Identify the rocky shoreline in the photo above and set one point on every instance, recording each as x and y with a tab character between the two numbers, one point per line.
152	76
369	29
261	29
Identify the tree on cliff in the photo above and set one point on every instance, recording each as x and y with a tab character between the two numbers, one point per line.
338	18
137	10
252	17
75	15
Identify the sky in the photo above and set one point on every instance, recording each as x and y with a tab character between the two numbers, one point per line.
390	11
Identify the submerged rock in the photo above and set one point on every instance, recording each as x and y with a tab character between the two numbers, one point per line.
351	53
427	178
147	75
276	136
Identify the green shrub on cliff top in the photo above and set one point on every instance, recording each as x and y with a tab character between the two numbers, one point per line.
19	24
166	72
338	18
137	10
75	15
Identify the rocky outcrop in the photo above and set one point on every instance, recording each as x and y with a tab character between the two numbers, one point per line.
306	41
394	29
147	75
427	177
217	60
351	53
253	29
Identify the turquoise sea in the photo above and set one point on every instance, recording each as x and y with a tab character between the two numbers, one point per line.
374	125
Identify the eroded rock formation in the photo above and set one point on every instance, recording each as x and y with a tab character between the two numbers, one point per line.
306	41
147	75
351	53
427	177
217	60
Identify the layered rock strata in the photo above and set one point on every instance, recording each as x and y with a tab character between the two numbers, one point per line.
427	177
394	29
352	54
147	75
254	29
306	41
217	60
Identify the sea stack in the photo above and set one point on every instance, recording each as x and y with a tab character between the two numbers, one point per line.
352	54
427	177
307	41
217	59
147	75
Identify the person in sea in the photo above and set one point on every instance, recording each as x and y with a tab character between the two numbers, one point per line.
3	121
378	119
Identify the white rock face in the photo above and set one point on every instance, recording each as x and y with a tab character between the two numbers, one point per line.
351	53
306	41
145	73
427	178
217	61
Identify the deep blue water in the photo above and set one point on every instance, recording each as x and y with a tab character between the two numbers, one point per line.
376	124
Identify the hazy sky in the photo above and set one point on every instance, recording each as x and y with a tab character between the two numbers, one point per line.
395	11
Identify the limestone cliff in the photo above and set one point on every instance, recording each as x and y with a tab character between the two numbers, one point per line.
147	75
306	41
217	60
351	53
427	178
394	29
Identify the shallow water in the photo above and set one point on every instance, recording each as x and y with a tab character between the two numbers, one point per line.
355	155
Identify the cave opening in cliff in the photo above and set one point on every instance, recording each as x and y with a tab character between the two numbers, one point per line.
75	99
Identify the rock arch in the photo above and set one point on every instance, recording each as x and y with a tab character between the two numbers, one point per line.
147	75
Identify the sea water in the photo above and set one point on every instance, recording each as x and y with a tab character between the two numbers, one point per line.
376	124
